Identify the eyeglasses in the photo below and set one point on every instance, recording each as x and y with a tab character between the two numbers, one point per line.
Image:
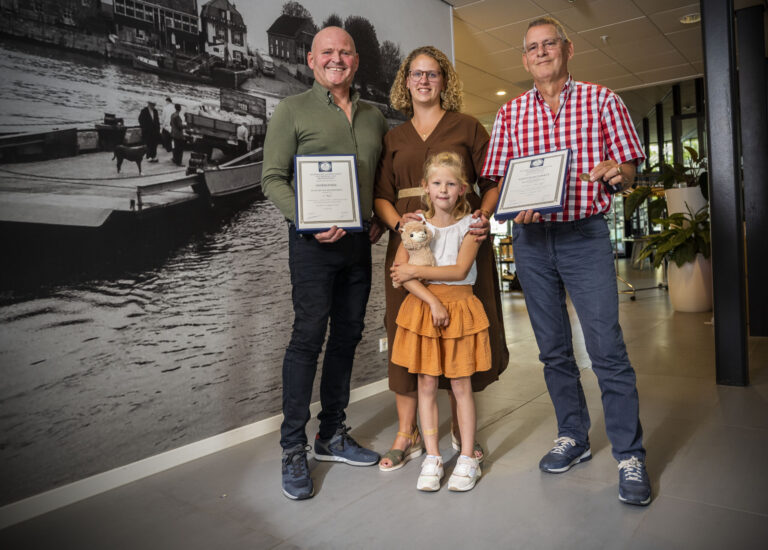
431	75
549	44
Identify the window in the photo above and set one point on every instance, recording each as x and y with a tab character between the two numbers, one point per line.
237	38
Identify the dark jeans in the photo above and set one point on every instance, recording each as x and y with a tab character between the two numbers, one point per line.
552	258
330	282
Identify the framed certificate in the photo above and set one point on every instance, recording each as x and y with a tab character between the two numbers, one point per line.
536	182
327	193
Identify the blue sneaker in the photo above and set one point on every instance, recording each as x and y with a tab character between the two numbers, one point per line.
634	485
297	485
342	448
563	455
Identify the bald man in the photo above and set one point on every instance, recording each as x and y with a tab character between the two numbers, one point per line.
330	270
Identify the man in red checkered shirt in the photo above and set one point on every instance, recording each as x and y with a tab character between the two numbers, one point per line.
571	250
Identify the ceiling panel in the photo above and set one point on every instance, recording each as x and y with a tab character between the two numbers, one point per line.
583	61
506	59
512	34
649	62
668	74
638	49
599	74
459	3
552	6
669	21
517	76
475	104
654	6
688	43
622	33
583	17
492	13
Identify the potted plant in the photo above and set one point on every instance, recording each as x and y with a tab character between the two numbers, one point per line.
683	185
684	243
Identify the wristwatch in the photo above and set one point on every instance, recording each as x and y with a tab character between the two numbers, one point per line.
397	226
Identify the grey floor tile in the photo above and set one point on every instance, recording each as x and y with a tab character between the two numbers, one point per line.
673	524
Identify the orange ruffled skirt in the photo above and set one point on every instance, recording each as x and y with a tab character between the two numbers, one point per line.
460	349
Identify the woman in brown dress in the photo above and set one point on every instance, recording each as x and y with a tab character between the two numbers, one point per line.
428	90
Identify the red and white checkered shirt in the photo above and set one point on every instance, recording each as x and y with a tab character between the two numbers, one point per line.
592	121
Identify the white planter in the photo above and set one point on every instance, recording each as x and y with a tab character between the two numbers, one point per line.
678	197
690	286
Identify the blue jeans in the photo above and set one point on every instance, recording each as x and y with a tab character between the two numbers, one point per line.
330	282
552	258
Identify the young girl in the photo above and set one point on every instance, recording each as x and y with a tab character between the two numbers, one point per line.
442	328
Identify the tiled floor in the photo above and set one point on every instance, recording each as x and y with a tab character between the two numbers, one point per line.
707	448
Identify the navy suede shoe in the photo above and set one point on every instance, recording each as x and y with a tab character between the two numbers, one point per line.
297	485
634	484
563	455
342	448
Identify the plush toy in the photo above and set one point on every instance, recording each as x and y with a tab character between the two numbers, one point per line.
416	237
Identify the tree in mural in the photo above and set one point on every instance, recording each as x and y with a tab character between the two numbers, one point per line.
391	58
296	10
368	75
333	20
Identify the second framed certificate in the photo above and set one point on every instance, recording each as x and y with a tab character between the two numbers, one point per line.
327	193
536	183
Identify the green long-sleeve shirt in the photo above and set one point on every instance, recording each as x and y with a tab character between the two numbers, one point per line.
310	123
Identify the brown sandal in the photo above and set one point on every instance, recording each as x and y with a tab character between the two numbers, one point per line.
398	457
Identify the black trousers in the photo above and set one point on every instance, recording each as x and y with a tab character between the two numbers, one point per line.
331	282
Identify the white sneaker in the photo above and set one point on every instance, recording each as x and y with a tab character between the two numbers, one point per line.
431	474
465	474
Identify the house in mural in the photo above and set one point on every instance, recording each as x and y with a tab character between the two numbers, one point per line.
224	33
171	25
290	38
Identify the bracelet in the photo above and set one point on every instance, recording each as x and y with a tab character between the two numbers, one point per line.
485	213
397	226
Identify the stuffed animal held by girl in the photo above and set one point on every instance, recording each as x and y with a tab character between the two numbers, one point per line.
416	237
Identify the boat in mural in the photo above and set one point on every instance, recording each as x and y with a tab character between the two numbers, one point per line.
76	182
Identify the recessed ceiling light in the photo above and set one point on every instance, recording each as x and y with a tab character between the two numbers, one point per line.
690	19
501	92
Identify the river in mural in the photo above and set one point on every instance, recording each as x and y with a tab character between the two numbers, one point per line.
116	353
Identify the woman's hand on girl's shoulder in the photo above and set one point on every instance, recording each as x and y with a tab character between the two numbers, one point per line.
480	226
411	217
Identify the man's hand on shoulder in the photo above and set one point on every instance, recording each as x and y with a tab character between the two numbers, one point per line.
330	236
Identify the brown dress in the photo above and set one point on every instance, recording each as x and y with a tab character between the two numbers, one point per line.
401	167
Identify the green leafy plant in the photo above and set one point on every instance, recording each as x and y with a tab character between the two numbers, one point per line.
692	175
685	235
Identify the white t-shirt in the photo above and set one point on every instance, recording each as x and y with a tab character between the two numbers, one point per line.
445	245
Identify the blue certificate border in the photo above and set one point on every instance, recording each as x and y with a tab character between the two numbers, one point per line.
352	227
502	216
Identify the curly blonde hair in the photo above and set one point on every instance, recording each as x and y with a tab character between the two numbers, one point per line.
453	162
452	96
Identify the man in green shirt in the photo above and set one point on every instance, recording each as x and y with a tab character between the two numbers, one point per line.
330	270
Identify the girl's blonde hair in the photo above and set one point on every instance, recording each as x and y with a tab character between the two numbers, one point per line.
451	97
453	162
